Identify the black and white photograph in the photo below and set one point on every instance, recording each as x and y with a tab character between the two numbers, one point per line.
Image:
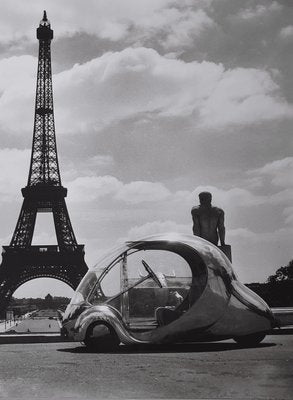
146	199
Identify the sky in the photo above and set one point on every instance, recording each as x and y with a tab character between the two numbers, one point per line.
156	101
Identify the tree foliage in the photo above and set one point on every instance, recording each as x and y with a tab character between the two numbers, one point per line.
278	290
282	274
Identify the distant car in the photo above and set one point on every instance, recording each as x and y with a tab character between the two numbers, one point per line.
163	289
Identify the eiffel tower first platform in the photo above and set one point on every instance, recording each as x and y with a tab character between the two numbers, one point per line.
44	192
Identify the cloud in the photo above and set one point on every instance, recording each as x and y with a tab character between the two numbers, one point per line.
282	197
14	70
287	32
243	96
91	188
279	172
14	166
276	175
247	235
140	82
288	212
174	27
151	228
87	189
98	162
260	11
140	191
17	89
228	198
108	19
243	234
121	85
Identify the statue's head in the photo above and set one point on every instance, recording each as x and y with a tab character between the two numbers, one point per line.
205	198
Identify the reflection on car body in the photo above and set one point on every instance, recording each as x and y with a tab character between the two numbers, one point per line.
162	289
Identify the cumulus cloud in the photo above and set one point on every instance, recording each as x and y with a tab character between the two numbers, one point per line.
244	96
288	212
228	198
151	228
17	89
282	197
15	70
14	166
108	189
121	85
91	188
99	164
140	82
100	161
108	19
259	11
243	234
87	189
247	235
174	27
140	191
287	32
279	172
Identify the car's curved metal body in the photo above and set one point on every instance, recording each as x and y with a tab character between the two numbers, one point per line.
210	304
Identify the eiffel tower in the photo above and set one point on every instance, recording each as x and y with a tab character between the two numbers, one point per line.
21	261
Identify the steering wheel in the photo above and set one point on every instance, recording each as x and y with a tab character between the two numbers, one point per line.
151	273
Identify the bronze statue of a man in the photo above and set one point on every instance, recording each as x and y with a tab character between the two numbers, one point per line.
208	221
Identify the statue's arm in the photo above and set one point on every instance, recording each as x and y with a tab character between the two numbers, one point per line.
196	226
221	227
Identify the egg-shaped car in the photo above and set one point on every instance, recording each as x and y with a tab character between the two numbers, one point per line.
162	289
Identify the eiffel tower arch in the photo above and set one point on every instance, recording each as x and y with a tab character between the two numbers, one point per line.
21	261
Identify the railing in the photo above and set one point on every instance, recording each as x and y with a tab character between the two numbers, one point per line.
45	249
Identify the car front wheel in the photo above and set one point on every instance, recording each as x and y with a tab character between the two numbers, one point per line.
101	338
250	340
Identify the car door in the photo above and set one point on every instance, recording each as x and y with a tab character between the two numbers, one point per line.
146	294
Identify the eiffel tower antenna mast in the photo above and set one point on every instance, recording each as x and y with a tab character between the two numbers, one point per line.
44	192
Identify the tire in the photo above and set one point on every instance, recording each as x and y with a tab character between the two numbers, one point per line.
250	340
101	338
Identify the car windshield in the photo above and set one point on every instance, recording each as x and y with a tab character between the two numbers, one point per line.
91	277
84	288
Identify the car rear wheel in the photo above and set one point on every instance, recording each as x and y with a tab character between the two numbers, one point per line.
101	338
250	340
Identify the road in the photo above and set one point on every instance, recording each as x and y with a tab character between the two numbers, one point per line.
219	370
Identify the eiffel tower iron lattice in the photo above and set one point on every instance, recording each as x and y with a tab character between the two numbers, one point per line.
21	261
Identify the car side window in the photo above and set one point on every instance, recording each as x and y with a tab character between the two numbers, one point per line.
171	271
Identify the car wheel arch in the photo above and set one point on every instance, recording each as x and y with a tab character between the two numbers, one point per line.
107	338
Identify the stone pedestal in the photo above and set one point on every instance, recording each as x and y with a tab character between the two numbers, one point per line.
226	249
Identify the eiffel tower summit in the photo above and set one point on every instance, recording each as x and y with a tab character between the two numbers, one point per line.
21	261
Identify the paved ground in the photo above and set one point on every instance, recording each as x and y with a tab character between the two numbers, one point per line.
41	321
219	370
36	326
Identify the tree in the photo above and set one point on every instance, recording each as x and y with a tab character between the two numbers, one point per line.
280	287
282	274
